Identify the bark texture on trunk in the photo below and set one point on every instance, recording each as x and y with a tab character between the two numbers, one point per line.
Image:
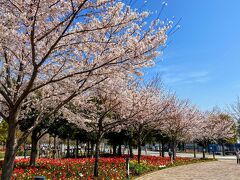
139	150
34	150
77	148
68	148
96	164
223	149
194	150
163	149
204	149
88	149
11	150
139	143
92	148
54	151
114	149
174	150
119	149
160	151
131	148
8	163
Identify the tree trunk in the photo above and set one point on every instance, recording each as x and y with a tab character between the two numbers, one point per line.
208	147
163	149
39	148
34	150
68	148
96	164
119	149
223	149
160	151
204	149
58	150
25	150
85	151
130	145
139	149
92	148
174	150
88	149
77	148
104	148
49	141
54	147
131	150
114	149
10	152
194	150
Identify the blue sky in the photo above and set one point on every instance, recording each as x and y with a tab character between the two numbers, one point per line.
202	62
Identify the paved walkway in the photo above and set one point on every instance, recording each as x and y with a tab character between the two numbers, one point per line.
190	155
217	170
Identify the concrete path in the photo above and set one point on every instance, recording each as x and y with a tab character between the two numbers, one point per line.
190	155
217	170
199	155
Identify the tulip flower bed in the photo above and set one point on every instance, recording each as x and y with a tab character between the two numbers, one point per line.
82	168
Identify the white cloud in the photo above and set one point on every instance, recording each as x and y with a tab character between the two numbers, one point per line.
184	78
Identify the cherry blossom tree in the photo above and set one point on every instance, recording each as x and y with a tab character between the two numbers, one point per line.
223	139
60	49
234	111
148	105
212	127
99	112
180	118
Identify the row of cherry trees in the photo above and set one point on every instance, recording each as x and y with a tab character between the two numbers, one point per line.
80	59
52	52
123	104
